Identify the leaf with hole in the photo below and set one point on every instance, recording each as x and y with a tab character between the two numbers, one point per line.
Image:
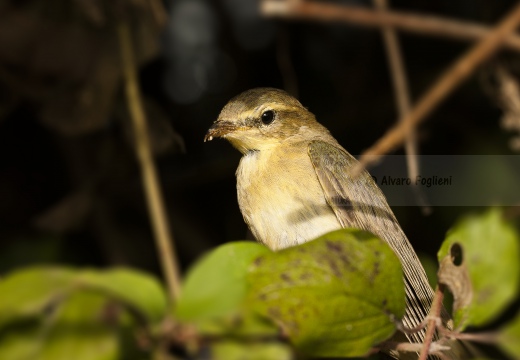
336	296
479	264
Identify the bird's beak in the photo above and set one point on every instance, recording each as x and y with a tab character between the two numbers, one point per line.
220	128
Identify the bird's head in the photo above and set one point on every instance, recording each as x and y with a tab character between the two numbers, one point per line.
261	118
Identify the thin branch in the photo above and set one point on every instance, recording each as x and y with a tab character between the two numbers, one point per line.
435	313
447	82
403	100
410	22
163	238
397	68
484	338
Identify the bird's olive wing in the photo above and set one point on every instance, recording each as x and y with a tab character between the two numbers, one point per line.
356	201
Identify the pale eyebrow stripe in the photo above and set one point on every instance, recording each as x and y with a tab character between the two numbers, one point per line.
272	106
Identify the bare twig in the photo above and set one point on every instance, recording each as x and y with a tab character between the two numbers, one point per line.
434	316
414	23
403	100
164	240
447	82
398	72
483	338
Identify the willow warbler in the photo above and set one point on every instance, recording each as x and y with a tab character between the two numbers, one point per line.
293	184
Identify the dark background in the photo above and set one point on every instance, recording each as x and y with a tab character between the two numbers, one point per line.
70	187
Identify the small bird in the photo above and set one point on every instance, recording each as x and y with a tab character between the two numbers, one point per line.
293	184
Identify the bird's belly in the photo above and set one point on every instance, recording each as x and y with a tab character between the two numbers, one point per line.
281	231
285	210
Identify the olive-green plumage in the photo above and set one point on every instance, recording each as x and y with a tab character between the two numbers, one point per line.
294	184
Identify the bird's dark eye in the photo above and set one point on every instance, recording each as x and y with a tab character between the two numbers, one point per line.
267	117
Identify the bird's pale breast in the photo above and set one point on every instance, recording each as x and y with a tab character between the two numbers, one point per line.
281	198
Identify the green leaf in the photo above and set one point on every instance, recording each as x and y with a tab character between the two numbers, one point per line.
27	292
509	338
241	323
335	296
479	263
135	289
233	350
216	285
52	313
81	330
21	341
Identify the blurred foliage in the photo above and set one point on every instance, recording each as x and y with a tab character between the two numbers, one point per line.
234	350
229	294
312	291
509	338
52	313
339	295
216	285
